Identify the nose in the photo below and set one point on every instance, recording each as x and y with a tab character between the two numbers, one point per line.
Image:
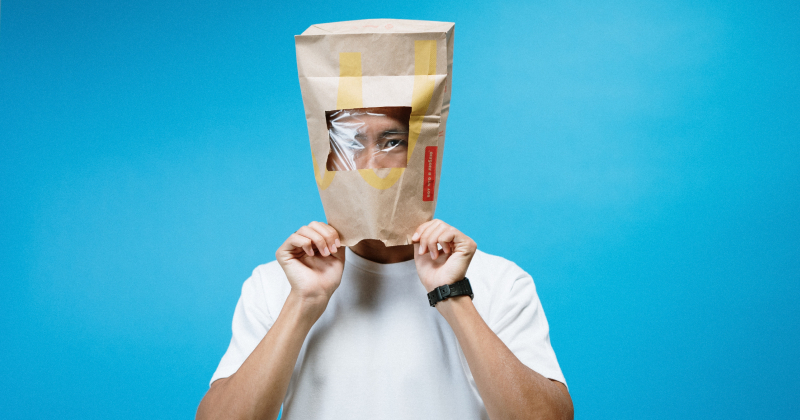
368	159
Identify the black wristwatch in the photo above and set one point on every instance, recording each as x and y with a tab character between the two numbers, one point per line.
459	288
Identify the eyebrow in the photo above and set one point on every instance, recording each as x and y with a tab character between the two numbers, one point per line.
385	133
390	132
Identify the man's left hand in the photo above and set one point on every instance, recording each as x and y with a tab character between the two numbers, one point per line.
437	267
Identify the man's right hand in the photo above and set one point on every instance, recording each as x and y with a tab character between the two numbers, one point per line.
313	261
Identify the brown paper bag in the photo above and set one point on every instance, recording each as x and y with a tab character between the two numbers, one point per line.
376	94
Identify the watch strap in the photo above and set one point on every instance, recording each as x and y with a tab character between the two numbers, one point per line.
459	288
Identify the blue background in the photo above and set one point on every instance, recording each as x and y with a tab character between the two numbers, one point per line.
639	159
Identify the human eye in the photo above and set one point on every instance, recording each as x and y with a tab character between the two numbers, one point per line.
389	145
394	143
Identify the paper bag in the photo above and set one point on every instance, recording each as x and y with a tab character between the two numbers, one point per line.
376	95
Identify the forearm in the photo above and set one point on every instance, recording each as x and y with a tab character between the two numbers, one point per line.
257	389
508	388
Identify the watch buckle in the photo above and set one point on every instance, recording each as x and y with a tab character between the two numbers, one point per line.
444	291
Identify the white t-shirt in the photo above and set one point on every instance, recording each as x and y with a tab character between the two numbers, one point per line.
379	351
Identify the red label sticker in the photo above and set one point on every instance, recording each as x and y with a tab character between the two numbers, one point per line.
429	180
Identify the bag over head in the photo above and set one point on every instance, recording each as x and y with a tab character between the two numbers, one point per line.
376	94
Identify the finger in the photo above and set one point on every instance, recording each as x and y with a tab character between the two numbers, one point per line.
296	241
334	235
420	229
448	236
428	239
445	246
326	231
448	239
330	234
316	238
433	239
459	242
424	234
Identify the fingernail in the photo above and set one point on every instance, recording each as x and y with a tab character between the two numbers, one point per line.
415	236
333	249
432	257
325	252
337	243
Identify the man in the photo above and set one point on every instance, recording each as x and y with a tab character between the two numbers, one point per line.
336	333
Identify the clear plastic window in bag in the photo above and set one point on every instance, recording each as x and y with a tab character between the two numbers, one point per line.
368	138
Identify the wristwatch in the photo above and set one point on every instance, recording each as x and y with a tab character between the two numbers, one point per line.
459	288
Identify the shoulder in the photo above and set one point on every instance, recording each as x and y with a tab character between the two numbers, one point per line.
499	284
497	270
268	273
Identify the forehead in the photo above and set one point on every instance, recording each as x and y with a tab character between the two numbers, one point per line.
372	120
373	125
395	117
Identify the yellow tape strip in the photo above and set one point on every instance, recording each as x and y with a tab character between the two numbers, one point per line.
424	69
324	179
374	180
350	88
349	96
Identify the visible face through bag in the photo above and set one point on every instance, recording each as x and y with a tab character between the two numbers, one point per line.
368	138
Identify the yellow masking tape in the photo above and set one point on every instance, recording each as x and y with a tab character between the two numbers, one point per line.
324	179
425	57
349	96
424	69
350	93
373	179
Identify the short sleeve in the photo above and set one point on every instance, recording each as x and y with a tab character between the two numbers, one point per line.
251	321
519	321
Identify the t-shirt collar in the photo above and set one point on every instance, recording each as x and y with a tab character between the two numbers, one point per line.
394	269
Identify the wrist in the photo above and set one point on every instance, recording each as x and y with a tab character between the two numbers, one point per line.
309	307
458	288
455	306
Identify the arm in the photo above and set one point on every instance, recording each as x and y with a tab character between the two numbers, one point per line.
258	387
256	390
509	389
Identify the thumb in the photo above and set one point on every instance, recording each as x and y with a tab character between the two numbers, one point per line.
416	251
